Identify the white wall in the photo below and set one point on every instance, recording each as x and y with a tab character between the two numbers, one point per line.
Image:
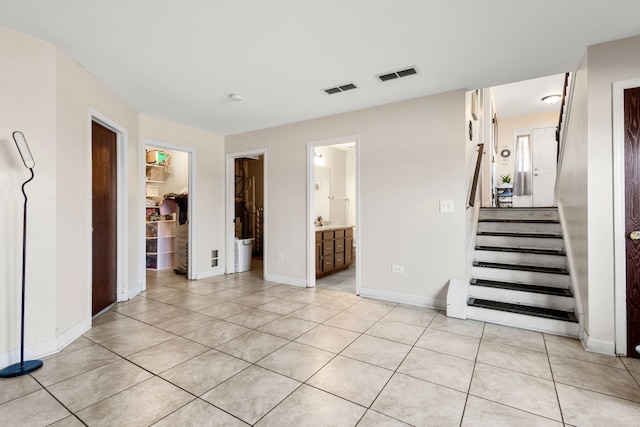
210	177
412	155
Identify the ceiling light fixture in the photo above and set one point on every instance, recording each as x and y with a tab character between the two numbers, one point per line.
551	99
235	97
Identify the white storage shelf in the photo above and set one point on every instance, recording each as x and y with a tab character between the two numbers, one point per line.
160	243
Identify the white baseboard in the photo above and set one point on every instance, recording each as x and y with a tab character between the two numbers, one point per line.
291	281
133	292
218	271
598	346
403	298
46	348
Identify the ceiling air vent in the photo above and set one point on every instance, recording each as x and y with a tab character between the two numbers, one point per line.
342	88
397	74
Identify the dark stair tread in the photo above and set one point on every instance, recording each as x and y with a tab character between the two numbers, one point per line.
520	220
521	250
536	289
547	313
520	267
515	234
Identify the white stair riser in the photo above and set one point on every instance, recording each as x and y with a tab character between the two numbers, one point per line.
521	227
520	242
525	298
517	276
521	258
540	324
546	214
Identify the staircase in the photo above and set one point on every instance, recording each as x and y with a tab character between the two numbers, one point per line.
520	275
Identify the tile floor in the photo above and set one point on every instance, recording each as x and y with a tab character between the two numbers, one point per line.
235	350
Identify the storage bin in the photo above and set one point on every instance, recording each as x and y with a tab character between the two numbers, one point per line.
243	249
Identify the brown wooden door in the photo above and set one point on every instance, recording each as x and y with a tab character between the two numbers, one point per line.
632	220
104	217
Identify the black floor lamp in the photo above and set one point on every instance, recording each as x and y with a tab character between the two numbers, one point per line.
23	368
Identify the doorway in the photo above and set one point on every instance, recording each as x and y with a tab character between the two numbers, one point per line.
333	214
169	190
107	235
626	137
246	231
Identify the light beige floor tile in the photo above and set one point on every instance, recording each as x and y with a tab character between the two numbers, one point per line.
187	323
375	419
336	303
306	296
64	366
328	338
216	334
32	410
311	407
172	297
224	310
12	388
252	346
377	351
79	343
469	328
352	321
253	318
297	361
254	300
315	313
396	331
636	375
595	377
196	303
204	372
419	317
419	402
439	368
484	413
372	308
517	359
114	329
586	408
453	344
288	327
159	315
351	379
199	413
572	348
137	340
70	421
281	306
229	294
252	393
631	364
140	405
139	306
168	354
106	317
514	336
521	391
280	291
91	387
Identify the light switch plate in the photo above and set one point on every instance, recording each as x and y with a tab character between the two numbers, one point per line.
446	205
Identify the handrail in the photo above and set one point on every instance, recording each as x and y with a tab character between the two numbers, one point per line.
562	104
476	176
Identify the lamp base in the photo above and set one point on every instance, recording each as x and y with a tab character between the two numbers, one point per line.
18	369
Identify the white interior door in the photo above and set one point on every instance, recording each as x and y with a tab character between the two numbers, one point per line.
544	156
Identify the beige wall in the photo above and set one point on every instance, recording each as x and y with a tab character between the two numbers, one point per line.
209	194
412	154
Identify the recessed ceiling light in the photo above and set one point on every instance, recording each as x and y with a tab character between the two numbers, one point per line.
235	97
551	99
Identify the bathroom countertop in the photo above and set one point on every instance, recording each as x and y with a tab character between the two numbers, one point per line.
333	227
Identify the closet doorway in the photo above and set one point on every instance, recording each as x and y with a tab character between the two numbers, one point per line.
169	229
333	206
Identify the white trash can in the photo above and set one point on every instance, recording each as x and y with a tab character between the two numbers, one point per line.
243	248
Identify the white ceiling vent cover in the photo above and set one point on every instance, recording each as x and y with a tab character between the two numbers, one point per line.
397	74
342	88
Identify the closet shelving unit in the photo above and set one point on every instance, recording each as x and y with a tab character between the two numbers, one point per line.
160	231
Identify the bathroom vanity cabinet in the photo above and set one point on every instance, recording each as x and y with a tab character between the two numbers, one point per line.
334	249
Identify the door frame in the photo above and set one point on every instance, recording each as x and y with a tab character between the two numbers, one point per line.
191	206
311	208
231	207
122	293
619	238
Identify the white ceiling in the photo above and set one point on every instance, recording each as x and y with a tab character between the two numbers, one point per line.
179	60
525	97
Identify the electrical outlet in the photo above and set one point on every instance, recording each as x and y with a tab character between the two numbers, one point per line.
280	256
446	205
397	269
